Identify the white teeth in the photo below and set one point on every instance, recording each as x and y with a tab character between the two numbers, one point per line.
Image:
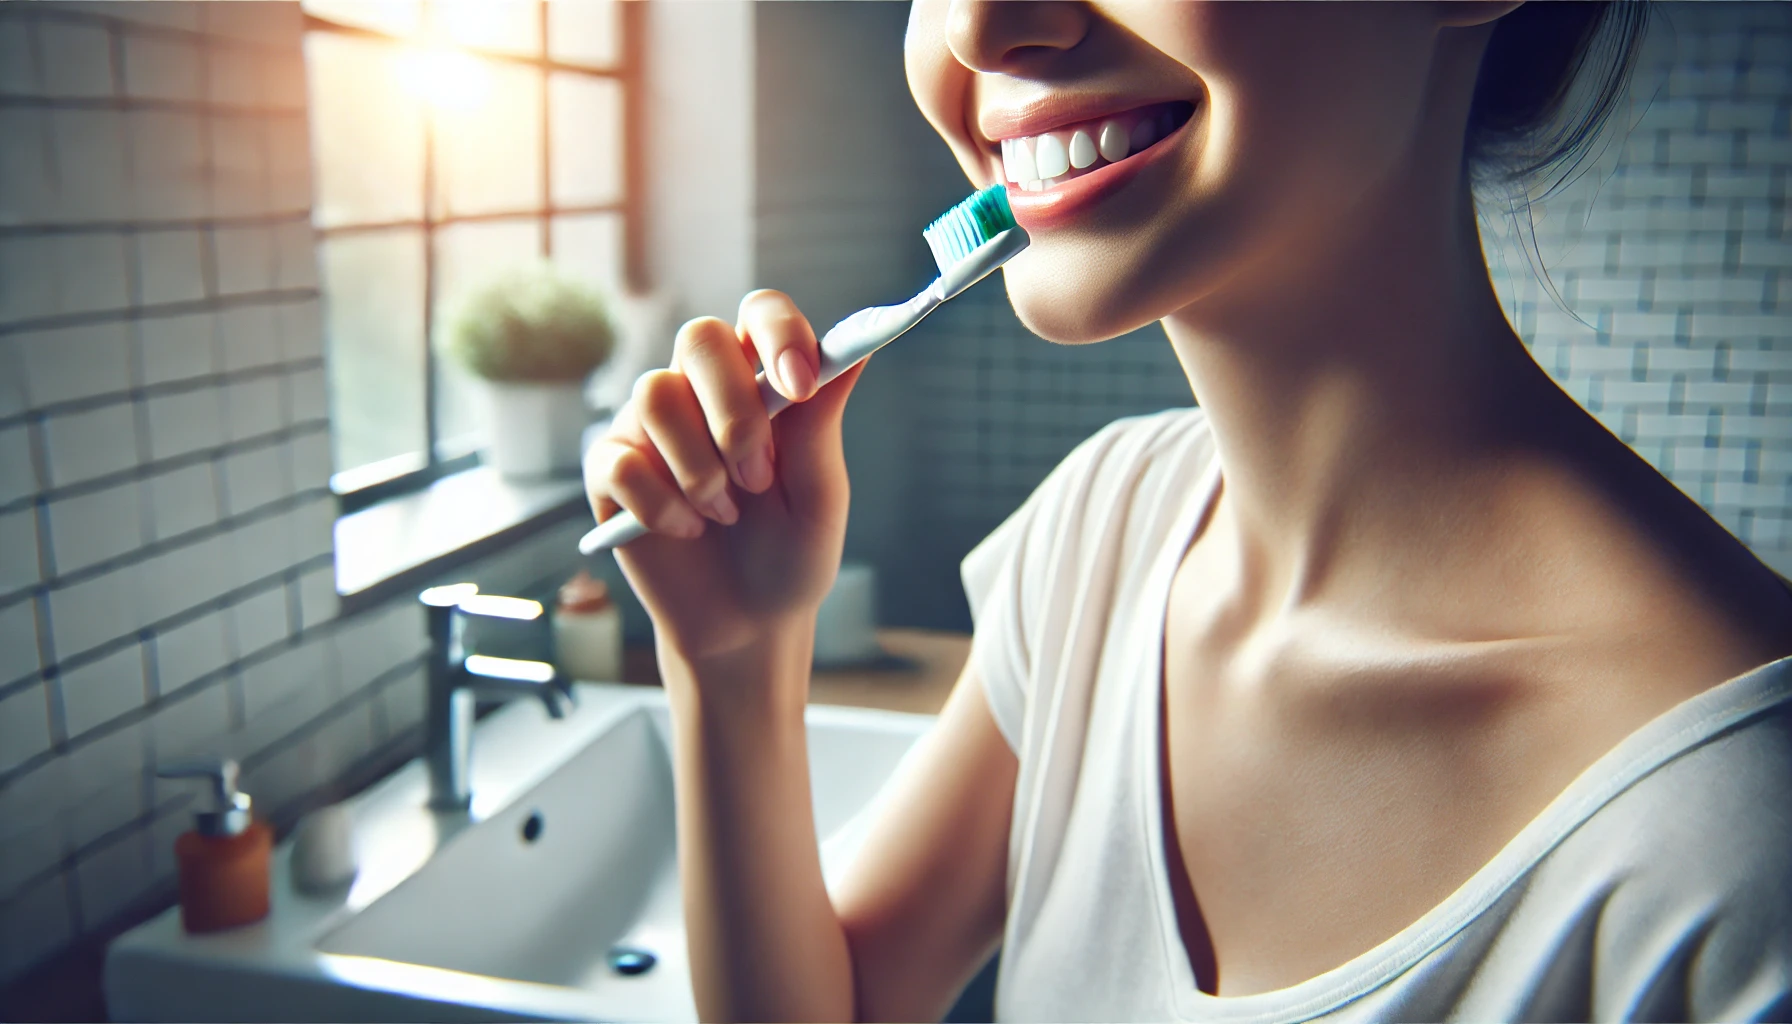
1113	142
1082	150
1051	159
1143	134
1023	170
1038	162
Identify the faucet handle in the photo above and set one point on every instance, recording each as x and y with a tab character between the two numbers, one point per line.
466	599
491	606
448	596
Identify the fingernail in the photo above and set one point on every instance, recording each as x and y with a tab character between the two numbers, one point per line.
796	373
756	469
722	509
683	521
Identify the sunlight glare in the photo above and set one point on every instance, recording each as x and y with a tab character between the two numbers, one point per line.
446	78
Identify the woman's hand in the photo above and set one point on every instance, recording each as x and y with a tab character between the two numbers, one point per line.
746	514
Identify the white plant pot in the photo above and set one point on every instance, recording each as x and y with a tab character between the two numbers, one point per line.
533	430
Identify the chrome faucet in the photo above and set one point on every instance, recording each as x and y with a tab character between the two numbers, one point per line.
458	677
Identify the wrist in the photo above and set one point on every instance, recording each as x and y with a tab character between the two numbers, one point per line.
767	670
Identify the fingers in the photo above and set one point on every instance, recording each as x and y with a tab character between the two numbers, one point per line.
619	474
674	421
710	355
691	430
784	341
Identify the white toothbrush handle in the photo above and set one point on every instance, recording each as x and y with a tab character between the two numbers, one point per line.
850	342
846	344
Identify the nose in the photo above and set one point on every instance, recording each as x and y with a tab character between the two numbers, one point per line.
1005	36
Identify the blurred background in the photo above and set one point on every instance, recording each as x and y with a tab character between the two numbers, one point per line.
232	236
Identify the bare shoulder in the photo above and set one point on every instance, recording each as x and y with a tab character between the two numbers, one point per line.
1646	585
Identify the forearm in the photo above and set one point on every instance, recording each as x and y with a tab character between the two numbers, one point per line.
764	941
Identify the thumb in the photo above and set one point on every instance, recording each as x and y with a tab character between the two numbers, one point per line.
811	460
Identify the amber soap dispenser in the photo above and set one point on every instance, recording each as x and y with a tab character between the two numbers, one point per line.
224	861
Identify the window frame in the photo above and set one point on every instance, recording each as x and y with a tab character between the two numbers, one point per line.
361	489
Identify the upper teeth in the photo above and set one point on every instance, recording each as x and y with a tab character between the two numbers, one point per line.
1082	149
1037	162
1049	157
1113	142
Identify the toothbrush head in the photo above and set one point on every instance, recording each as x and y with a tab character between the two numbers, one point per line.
968	225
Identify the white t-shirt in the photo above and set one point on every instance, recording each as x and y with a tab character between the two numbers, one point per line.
1658	886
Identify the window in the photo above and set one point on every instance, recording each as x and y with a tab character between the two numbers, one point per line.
451	140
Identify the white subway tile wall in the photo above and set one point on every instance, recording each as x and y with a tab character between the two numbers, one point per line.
167	579
1675	249
166	574
1673	252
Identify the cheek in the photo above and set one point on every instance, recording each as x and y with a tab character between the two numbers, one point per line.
1302	113
939	84
1335	94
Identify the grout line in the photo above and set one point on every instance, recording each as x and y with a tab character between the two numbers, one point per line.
364	693
223	527
217	605
367	769
272	297
54	12
146	471
217	379
224	674
269	220
131	104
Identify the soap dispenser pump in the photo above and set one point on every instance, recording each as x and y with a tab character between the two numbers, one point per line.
224	861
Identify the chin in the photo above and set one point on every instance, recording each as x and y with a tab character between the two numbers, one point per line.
1070	295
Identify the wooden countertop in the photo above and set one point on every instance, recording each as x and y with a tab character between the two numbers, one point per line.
917	674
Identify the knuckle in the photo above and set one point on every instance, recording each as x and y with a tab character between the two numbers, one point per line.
715	356
703	334
657	392
775	313
709	484
612	436
700	479
738	435
631	473
766	298
639	390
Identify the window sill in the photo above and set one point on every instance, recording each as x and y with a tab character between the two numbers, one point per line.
403	543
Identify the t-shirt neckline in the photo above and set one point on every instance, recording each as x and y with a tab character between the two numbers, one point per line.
1680	728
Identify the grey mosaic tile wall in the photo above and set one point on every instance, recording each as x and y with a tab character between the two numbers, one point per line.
166	565
1674	251
1680	267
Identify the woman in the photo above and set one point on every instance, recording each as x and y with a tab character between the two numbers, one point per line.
1387	684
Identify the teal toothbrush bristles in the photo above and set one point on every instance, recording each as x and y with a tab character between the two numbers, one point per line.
968	225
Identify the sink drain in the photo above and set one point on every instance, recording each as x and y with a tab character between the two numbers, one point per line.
631	960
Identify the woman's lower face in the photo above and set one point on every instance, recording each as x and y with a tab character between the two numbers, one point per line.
1155	151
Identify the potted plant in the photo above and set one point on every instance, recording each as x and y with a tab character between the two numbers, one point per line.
532	336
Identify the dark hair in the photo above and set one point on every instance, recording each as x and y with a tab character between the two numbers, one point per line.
1537	56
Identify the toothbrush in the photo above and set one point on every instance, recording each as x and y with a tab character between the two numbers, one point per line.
969	242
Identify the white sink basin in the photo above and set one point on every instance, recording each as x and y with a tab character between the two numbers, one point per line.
509	912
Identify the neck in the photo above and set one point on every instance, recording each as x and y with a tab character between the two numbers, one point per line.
1358	389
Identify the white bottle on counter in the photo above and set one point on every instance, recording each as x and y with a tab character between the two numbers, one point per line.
588	631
